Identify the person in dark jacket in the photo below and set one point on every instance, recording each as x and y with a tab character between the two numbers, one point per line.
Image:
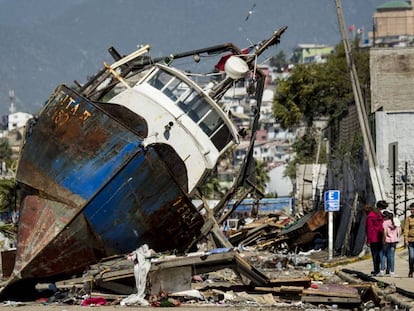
374	231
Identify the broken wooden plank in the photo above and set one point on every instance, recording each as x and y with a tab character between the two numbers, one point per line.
336	300
247	270
304	281
362	285
291	289
196	261
115	275
271	242
108	273
117	288
74	282
316	292
267	289
281	290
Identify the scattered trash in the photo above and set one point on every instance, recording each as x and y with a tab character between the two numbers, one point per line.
142	264
94	301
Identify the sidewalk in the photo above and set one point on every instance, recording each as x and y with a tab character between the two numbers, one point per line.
401	280
398	289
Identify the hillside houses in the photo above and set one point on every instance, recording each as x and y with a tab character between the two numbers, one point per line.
274	152
272	143
312	53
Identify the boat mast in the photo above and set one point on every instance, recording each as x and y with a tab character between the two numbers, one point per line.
376	180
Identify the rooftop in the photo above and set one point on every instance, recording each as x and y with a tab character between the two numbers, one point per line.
398	4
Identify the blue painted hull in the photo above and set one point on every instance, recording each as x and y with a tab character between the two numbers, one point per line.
89	189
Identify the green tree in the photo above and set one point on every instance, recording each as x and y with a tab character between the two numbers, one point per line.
261	176
5	149
7	205
213	187
279	61
296	55
318	90
7	189
315	90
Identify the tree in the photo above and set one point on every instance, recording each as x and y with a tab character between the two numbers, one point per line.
7	205
279	61
5	149
318	90
261	176
315	90
213	187
7	191
296	56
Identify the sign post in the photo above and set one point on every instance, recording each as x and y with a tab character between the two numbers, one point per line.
332	199
393	167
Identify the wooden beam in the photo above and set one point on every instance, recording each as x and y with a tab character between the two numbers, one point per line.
323	299
244	268
304	281
315	292
117	287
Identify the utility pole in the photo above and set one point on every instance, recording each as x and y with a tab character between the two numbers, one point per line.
376	180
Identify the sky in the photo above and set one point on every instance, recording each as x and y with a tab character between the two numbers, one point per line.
48	42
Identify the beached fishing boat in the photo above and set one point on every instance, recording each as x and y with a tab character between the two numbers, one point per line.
112	164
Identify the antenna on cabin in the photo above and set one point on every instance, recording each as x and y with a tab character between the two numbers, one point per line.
12	109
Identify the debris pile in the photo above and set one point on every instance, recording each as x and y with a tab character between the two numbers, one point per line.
219	277
265	269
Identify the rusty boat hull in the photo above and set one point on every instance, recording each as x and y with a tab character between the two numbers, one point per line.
89	189
112	164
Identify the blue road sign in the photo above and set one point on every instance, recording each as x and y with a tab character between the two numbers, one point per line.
332	199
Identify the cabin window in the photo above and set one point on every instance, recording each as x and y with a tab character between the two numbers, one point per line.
199	107
168	84
186	99
213	125
211	122
221	137
194	105
172	89
160	79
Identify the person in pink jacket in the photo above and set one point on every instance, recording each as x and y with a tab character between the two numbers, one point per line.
375	234
392	234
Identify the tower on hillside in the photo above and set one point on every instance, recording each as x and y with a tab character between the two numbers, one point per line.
12	108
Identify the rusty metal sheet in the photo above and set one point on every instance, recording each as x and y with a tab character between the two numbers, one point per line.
89	190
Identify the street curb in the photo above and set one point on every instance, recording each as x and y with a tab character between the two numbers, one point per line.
342	261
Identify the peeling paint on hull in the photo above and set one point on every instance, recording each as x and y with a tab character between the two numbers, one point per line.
89	189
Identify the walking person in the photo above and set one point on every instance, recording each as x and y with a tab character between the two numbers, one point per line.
391	238
381	205
409	239
374	234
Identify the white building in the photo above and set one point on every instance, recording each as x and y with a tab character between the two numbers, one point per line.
279	183
17	120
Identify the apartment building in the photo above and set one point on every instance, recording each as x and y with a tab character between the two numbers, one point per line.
393	24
